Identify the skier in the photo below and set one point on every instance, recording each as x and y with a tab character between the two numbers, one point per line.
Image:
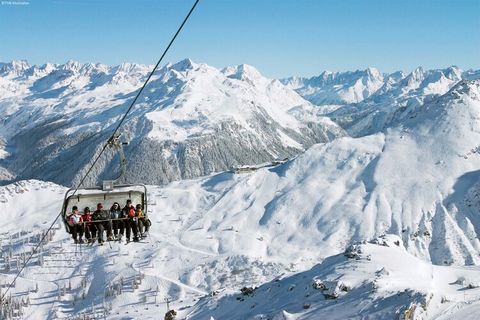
67	219
104	222
75	222
89	227
143	223
130	221
117	222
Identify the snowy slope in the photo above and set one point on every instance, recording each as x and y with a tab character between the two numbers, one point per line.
414	187
73	281
382	281
192	120
411	181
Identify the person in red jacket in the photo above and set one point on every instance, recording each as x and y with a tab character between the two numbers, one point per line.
130	223
89	228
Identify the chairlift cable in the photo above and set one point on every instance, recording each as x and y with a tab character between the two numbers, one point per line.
110	140
113	136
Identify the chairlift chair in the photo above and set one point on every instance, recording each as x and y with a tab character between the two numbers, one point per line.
108	193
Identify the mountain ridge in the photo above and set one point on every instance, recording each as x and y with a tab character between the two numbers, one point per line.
189	113
188	110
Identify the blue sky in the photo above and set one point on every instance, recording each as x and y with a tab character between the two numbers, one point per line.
278	37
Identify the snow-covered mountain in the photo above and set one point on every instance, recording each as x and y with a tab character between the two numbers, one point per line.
337	87
365	102
407	198
192	120
381	222
398	100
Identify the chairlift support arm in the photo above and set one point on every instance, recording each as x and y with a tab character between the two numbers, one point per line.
115	143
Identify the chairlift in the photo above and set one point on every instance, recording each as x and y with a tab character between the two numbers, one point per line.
110	191
89	197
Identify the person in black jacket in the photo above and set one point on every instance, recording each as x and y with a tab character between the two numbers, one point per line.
104	222
117	222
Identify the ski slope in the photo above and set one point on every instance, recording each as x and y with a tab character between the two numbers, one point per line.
407	198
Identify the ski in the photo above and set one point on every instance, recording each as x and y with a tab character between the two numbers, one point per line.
92	242
142	242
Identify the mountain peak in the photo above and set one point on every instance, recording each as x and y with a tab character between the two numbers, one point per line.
71	65
242	72
184	65
48	66
453	73
418	73
14	66
246	68
20	64
373	72
127	67
470	88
